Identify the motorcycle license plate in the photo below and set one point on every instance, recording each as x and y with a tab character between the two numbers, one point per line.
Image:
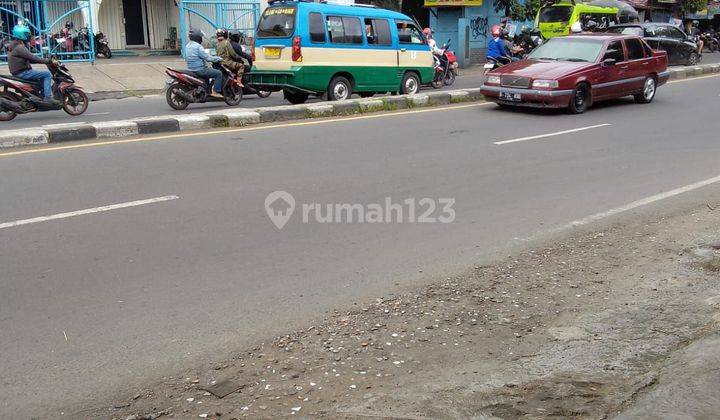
510	96
488	65
272	52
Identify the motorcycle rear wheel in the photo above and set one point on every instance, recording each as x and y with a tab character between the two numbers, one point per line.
232	94
174	99
75	101
449	78
8	115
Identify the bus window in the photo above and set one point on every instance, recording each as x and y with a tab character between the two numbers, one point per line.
377	32
317	28
555	14
408	33
277	22
344	30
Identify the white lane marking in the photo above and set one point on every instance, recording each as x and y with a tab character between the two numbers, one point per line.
98	113
642	202
557	133
87	211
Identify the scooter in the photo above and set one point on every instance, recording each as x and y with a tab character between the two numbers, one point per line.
20	96
185	87
445	67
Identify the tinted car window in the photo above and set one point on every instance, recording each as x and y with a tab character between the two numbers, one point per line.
317	28
615	51
674	33
555	14
634	49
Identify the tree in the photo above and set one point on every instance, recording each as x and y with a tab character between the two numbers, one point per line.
516	10
692	6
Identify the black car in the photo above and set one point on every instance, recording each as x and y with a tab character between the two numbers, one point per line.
681	49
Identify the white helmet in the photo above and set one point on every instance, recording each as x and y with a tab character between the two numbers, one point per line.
576	28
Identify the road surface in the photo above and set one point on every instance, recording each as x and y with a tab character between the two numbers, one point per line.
186	266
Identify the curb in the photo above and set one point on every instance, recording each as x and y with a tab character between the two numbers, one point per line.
231	117
240	117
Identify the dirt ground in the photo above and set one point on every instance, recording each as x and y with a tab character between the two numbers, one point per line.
621	321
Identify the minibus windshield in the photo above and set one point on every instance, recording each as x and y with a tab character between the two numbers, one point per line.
277	22
555	14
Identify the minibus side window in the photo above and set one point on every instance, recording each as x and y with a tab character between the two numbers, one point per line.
377	32
344	30
317	27
408	33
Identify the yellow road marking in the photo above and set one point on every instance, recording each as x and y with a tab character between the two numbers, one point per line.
240	129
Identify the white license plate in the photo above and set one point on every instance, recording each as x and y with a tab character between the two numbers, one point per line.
510	96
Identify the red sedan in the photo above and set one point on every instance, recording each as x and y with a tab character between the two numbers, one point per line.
575	71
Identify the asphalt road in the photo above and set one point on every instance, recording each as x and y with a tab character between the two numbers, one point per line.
121	109
95	305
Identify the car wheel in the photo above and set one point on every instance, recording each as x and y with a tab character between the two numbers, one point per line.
693	59
339	89
580	99
410	84
648	92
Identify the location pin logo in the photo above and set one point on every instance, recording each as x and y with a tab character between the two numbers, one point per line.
279	206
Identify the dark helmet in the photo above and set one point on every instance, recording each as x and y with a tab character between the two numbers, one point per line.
196	35
591	25
236	36
69	24
221	33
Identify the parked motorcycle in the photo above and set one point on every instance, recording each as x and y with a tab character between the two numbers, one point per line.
20	96
445	67
186	87
102	45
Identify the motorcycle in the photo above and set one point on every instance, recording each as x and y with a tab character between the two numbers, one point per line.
102	45
20	96
445	67
710	41
185	87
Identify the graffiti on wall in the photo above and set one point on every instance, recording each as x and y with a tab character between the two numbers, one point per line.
479	27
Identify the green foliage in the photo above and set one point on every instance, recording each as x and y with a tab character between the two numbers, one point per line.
692	6
517	11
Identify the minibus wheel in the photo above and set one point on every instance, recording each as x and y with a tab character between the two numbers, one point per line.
339	89
410	84
295	97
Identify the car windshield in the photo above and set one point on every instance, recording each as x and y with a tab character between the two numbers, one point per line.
568	49
277	22
555	14
626	30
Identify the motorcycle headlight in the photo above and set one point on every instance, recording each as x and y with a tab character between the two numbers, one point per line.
545	84
492	80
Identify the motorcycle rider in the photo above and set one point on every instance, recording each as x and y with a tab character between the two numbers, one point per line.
695	33
431	42
19	60
236	40
229	57
496	50
197	57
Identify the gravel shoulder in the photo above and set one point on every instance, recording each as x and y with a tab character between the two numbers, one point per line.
620	319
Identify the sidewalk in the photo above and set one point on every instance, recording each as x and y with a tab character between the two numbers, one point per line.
123	76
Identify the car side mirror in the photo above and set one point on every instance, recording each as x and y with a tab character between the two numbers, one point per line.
609	62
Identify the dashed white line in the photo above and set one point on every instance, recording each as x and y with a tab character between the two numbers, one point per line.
87	211
557	133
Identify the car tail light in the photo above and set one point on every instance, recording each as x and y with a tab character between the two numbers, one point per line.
296	49
252	48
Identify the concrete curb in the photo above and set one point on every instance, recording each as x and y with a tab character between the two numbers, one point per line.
237	117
